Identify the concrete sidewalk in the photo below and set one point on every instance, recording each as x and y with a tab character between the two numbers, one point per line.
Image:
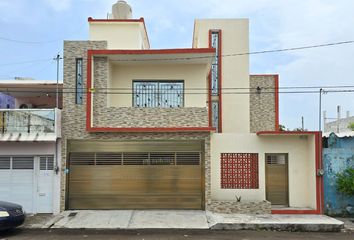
160	219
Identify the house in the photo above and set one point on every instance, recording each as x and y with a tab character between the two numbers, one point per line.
338	155
179	128
339	124
30	131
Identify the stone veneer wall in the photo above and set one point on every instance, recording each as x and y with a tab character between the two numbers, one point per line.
104	116
263	207
74	117
262	106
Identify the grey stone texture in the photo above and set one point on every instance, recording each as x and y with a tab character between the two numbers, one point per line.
126	117
262	207
262	106
74	117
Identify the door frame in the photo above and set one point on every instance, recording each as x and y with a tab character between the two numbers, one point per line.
286	177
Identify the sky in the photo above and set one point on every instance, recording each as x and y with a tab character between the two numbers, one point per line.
32	33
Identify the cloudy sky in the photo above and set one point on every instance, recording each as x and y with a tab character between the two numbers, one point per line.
32	33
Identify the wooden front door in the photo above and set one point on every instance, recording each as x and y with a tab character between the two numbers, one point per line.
277	190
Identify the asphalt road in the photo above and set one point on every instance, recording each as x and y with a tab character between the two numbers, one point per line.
167	234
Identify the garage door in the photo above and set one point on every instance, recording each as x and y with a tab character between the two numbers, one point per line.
16	181
27	180
131	179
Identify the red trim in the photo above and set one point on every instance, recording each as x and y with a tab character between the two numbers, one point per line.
154	51
209	85
318	165
220	81
276	101
90	19
142	20
89	128
183	129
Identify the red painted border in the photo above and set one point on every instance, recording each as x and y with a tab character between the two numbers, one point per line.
219	79
152	51
276	101
142	20
89	128
318	165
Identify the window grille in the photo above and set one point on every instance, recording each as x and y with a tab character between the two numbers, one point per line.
239	171
164	94
215	43
79	81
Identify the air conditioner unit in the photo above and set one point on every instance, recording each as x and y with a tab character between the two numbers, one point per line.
26	105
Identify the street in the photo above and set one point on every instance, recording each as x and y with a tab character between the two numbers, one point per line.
167	234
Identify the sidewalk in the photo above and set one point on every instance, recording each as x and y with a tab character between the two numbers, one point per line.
159	219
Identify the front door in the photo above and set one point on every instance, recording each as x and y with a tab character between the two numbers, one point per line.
277	191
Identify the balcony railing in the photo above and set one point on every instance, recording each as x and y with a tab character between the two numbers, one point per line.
30	121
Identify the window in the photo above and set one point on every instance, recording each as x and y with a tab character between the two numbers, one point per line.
215	43
79	81
239	171
164	94
215	115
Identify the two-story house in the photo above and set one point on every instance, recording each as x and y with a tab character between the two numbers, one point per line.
179	128
30	132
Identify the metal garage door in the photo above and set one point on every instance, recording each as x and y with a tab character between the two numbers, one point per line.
16	181
22	180
132	179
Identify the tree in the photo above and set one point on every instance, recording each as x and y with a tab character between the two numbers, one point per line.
345	182
351	126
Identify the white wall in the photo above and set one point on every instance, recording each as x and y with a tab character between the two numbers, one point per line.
194	76
235	69
119	35
36	149
302	179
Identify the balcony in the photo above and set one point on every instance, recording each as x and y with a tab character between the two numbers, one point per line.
29	124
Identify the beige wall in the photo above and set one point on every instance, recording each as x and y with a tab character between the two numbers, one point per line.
300	150
122	76
235	70
119	35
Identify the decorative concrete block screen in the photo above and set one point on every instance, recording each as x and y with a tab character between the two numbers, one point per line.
239	170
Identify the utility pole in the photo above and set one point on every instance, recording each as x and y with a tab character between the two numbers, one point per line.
302	123
57	58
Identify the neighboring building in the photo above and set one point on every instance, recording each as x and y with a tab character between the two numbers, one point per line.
30	145
179	128
339	125
338	155
6	101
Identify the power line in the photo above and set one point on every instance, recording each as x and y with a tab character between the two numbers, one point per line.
4	90
235	54
24	62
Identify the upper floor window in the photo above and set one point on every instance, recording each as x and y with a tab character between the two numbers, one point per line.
164	94
79	86
215	73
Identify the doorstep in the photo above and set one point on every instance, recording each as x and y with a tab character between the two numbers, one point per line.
185	219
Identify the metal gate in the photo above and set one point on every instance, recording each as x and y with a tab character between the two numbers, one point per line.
277	191
135	178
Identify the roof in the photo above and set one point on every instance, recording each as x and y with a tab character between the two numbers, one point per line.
28	82
29	88
340	135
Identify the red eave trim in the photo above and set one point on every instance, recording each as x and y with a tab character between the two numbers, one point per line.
182	129
154	51
287	132
285	211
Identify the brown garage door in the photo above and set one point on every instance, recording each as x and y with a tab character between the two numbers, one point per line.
135	180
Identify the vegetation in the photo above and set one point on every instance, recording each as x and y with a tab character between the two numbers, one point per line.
345	182
351	126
